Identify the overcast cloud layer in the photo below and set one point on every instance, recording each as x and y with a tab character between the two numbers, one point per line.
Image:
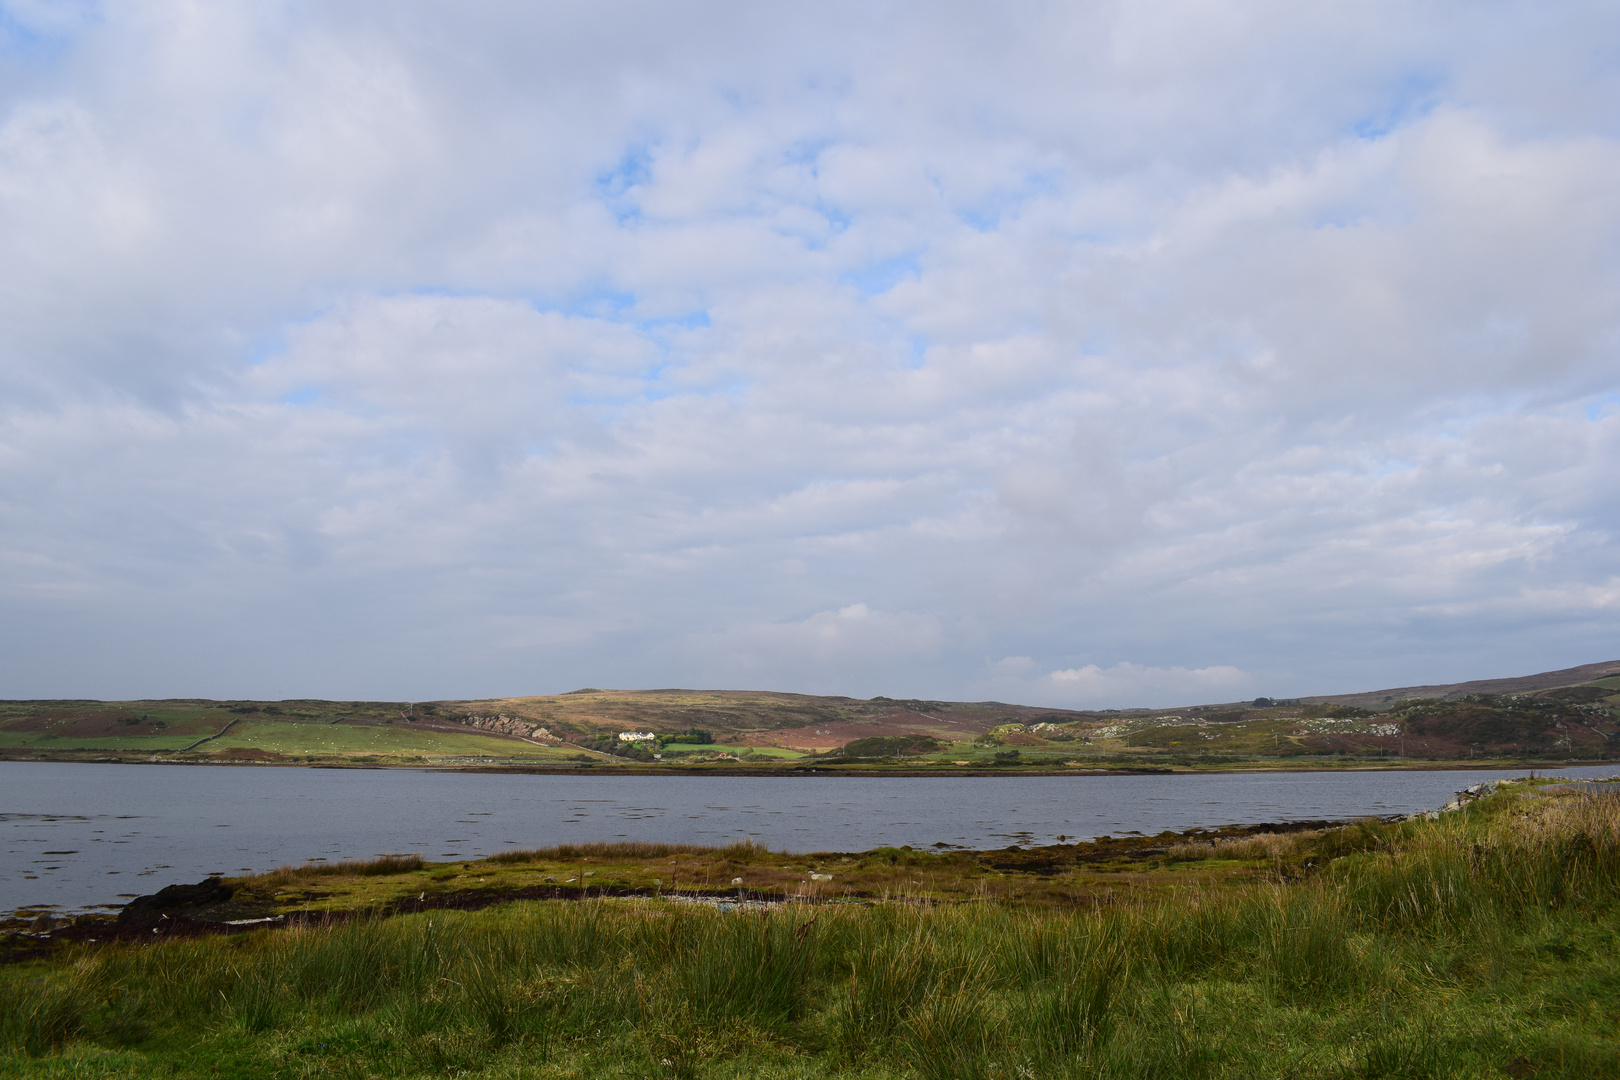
1070	353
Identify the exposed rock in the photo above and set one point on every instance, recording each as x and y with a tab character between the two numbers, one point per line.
1596	785
511	725
185	900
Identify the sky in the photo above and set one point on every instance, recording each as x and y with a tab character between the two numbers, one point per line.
1089	354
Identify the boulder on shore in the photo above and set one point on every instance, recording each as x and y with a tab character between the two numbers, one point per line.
175	899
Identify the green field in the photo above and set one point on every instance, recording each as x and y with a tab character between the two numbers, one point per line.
774	752
112	744
303	740
291	739
717	748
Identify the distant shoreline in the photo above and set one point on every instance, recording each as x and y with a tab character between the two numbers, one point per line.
862	772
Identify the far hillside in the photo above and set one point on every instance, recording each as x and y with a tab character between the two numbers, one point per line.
1566	715
1586	674
740	718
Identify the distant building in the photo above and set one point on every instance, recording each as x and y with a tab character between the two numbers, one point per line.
637	736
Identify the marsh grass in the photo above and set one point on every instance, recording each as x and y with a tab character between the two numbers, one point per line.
575	852
1478	945
1260	845
382	865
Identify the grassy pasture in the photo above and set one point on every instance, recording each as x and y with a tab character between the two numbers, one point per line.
778	752
128	743
391	740
1477	945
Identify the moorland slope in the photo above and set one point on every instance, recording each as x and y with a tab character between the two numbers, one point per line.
1567	715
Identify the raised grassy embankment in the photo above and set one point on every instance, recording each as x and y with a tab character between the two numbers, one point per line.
1478	944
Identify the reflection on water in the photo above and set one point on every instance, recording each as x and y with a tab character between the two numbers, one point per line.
79	835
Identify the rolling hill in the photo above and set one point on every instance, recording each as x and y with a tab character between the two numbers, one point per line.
1563	715
1524	684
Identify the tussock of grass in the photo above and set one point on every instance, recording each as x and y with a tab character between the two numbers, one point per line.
745	850
1475	946
384	864
741	851
1259	846
573	852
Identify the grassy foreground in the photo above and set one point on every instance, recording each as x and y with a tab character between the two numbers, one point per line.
1481	944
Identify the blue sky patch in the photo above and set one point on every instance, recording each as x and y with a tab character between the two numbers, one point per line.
881	276
34	40
615	186
1601	406
1411	98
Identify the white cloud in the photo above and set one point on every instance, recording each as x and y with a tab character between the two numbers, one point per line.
1127	683
1121	685
852	649
384	350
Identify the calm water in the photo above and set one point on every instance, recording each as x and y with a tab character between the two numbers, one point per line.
77	836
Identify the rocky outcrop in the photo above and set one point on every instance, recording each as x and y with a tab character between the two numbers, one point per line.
1609	785
511	725
187	901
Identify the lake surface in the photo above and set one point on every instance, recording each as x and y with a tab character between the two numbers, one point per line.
82	835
